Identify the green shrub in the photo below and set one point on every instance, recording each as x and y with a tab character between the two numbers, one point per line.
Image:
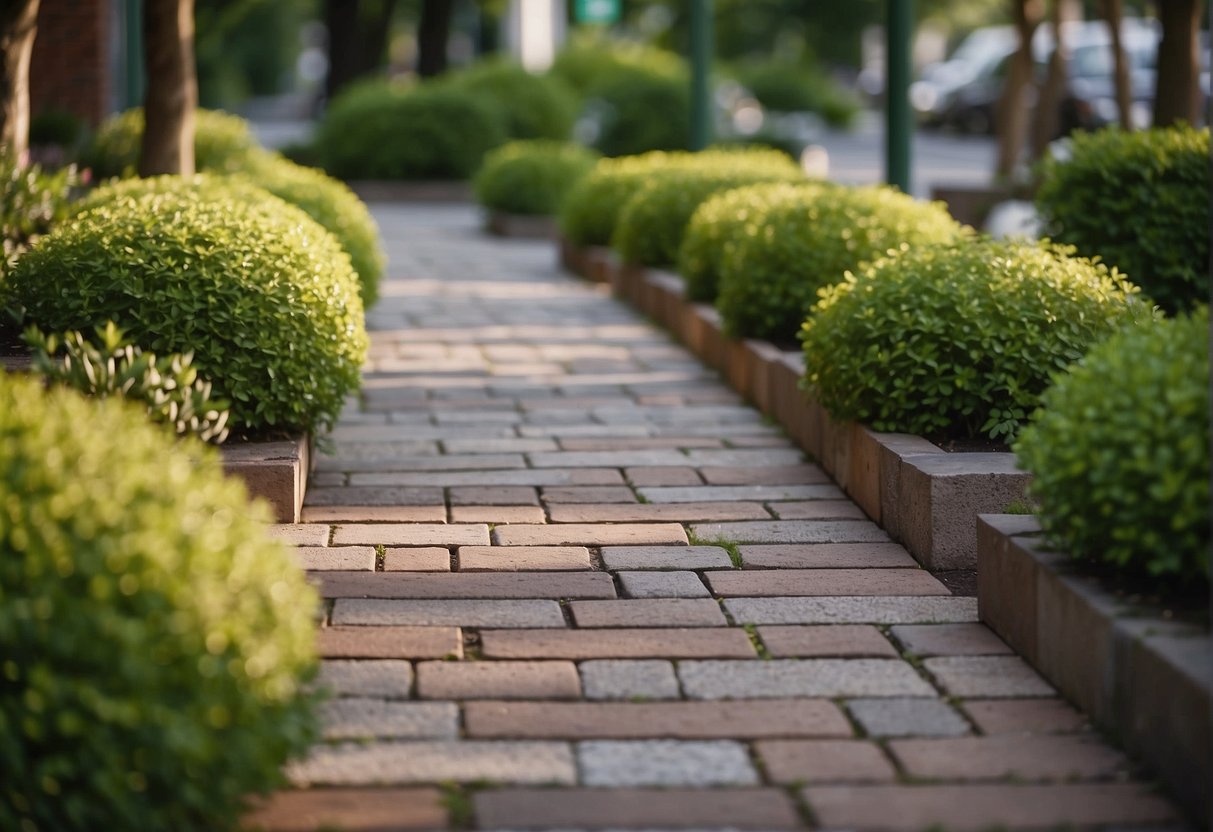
382	131
1140	201
789	87
652	222
261	294
636	111
1119	452
57	127
222	143
531	177
533	106
719	222
803	242
110	365
587	59
154	641
959	340
31	202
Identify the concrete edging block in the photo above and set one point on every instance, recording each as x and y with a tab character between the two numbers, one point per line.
521	226
276	471
394	190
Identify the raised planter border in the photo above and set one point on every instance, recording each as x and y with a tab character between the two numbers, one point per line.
1139	675
520	226
388	190
276	471
924	497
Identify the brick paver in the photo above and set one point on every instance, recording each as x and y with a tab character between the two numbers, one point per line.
576	583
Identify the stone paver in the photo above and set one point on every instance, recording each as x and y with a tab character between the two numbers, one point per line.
665	557
504	495
907	718
655	512
826	641
352	810
379	613
390	642
497	680
620	763
582	534
1016	716
663	585
496	514
851	610
435	513
388	679
417	559
465	585
352	719
629	679
300	534
800	677
824	761
825	582
341	558
411	534
589	494
393	763
649	612
987	676
826	556
740	493
708	642
792	531
1023	757
522	558
950	640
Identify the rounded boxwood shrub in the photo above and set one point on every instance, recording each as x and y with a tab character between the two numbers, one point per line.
788	87
719	221
959	340
154	643
805	241
531	177
1140	201
590	57
653	220
533	106
383	131
222	143
260	293
636	111
1119	452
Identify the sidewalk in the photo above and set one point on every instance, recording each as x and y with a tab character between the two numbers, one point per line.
575	583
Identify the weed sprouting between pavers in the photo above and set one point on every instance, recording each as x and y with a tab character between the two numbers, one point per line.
730	546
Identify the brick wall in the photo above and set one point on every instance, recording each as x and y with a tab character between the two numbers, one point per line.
70	68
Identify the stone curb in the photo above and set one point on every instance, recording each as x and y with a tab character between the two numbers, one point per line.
387	190
276	471
1140	675
520	226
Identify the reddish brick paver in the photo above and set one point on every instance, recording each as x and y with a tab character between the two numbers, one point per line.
504	527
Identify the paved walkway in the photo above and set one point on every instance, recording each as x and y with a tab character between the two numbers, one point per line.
575	583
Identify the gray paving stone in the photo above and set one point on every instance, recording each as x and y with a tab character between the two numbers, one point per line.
460	613
388	763
342	558
628	679
352	719
300	534
907	718
388	678
412	534
695	494
663	585
616	763
791	531
800	677
525	476
849	609
745	458
987	676
665	557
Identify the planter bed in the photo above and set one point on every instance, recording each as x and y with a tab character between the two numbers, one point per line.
387	190
924	497
1137	671
274	470
522	226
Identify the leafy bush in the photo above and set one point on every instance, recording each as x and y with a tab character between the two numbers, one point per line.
789	87
959	340
31	202
1140	201
533	106
1119	452
57	127
531	177
652	222
719	221
383	131
807	240
155	642
587	59
222	143
262	295
169	387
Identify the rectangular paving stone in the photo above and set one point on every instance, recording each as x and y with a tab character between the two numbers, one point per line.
662	475
672	808
462	761
827	556
803	474
493	495
498	680
826	641
505	444
352	810
1024	757
792	531
524	476
629	679
361	495
851	610
652	512
745	458
681	720
465	585
522	558
907	718
589	494
622	763
417	559
435	513
340	558
300	534
976	807
497	514
426	614
1025	716
663	585
818	510
950	640
443	462
824	761
714	642
665	557
390	642
412	534
854	582
741	493
386	679
575	534
639	443
800	677
649	612
354	719
607	459
987	676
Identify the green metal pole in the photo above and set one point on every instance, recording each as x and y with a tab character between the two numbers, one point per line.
701	71
899	126
133	59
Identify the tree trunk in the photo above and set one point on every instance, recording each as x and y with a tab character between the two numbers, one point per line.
172	88
1114	13
1048	103
1013	106
432	34
358	38
1177	94
18	26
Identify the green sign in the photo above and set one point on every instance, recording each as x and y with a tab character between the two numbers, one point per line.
596	11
